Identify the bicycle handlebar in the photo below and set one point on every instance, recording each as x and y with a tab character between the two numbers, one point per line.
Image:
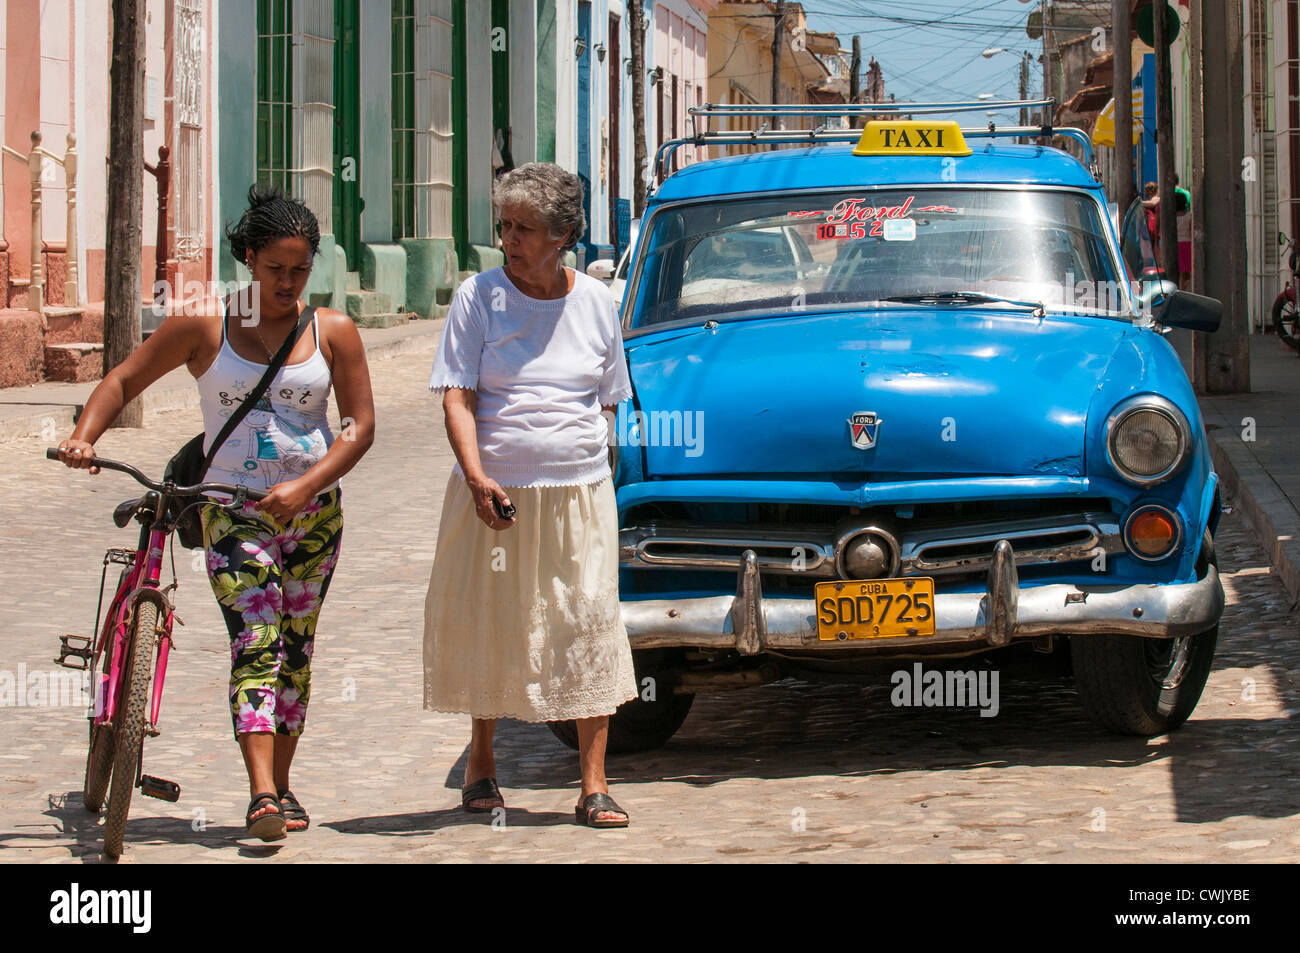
104	463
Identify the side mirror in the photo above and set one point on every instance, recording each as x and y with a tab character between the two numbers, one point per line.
1153	291
602	268
1182	309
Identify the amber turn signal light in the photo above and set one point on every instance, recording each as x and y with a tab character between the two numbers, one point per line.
1152	533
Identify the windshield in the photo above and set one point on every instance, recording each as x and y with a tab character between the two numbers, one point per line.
958	247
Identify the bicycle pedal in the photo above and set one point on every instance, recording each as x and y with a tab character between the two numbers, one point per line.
69	651
160	788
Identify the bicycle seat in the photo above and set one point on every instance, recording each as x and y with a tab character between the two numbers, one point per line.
125	510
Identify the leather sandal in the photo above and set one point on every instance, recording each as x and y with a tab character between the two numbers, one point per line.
270	826
484	789
599	803
293	811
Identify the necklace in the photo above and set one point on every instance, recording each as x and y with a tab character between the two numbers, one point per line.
258	330
270	355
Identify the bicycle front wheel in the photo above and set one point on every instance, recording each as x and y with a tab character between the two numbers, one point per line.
131	726
1286	320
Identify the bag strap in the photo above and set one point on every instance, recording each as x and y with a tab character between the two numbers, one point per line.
254	395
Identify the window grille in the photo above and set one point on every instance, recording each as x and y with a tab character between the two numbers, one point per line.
422	127
188	58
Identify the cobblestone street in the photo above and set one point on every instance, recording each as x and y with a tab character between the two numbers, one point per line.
790	771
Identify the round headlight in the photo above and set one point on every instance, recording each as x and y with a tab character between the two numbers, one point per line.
1147	439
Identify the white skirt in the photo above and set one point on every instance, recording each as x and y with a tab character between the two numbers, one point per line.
524	623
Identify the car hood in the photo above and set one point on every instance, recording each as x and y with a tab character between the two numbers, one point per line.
957	391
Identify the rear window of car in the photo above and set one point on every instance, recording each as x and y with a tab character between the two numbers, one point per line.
855	248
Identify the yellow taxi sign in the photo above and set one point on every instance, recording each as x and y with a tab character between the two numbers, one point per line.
903	137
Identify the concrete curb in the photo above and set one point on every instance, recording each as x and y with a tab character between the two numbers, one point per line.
1274	520
61	419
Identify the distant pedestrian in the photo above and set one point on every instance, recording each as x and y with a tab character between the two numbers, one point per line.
522	617
1183	207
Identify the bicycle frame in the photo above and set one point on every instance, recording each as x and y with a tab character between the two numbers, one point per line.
141	582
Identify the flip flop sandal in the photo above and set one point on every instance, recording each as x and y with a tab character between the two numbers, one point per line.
484	789
594	804
293	811
269	826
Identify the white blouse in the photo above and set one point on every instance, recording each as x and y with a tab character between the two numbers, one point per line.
542	370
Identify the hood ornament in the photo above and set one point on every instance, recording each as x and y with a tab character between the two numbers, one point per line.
864	426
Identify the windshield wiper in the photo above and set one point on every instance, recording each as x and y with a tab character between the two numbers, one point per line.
962	297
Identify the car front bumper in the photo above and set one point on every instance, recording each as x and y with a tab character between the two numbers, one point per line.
1001	614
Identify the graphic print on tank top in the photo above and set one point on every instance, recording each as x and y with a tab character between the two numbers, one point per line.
284	435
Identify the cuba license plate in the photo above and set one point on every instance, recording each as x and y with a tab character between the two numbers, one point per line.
852	610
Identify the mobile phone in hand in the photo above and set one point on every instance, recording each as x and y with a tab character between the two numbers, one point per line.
505	512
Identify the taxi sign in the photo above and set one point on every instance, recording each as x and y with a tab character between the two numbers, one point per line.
911	138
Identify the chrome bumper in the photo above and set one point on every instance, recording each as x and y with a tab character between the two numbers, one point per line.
1002	613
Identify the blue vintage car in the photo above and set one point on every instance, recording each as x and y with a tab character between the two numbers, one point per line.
897	402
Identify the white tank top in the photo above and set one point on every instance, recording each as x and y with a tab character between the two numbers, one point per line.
284	435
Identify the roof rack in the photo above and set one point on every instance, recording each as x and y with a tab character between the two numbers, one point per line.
702	121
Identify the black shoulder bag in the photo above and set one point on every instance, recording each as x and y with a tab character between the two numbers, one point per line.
190	464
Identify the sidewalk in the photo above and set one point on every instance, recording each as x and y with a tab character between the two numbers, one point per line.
52	408
1260	467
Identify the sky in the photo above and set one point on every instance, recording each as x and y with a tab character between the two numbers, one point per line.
930	50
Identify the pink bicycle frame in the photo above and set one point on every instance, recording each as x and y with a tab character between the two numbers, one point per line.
141	582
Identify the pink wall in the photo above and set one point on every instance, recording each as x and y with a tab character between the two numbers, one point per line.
22	115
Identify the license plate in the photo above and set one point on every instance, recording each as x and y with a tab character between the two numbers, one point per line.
875	609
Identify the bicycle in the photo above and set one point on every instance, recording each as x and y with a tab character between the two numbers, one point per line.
1286	307
137	631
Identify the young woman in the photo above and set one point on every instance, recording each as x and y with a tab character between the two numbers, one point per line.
270	566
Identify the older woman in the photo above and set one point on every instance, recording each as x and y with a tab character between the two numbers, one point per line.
522	615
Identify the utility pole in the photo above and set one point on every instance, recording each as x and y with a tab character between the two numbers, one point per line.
855	67
1024	90
1122	90
1165	146
122	298
636	31
778	27
1221	360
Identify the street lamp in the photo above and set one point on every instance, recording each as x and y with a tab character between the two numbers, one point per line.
1025	59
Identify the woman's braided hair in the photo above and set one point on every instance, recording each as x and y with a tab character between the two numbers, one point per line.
271	214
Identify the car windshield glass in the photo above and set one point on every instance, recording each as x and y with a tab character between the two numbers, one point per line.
847	249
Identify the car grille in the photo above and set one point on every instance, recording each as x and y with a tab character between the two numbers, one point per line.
926	545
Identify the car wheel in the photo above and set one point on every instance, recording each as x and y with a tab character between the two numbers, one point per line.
640	725
1139	686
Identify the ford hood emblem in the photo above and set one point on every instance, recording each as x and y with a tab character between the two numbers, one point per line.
863	428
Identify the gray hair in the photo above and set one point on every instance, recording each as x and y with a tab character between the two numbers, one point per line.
554	194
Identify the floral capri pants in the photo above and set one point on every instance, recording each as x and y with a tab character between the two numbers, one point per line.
270	579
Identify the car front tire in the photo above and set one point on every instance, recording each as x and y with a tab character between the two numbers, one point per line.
639	725
1138	686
